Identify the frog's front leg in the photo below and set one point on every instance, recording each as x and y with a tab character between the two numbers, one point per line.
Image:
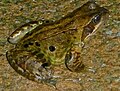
72	59
27	65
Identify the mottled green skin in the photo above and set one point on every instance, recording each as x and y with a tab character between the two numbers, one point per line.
53	43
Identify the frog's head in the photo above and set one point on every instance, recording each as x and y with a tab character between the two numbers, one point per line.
93	17
89	18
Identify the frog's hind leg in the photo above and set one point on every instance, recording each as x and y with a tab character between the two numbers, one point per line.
27	65
18	64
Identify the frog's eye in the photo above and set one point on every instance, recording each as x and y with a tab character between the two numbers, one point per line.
96	19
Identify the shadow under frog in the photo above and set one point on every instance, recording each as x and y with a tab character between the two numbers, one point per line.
39	45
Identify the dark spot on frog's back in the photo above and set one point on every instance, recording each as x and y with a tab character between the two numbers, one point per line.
51	48
30	42
74	37
63	32
37	43
25	45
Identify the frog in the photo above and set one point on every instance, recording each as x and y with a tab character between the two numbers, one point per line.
41	45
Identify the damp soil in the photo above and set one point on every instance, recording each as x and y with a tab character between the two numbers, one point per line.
101	54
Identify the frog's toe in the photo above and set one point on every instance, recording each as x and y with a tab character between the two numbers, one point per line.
45	75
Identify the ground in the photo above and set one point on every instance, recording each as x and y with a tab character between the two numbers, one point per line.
101	54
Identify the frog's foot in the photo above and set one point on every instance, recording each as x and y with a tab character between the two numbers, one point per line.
45	75
73	62
29	66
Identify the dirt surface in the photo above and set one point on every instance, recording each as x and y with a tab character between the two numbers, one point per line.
101	53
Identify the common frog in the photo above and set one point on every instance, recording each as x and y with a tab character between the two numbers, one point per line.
39	45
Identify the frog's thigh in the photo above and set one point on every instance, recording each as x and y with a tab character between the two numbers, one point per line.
18	64
27	65
72	59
